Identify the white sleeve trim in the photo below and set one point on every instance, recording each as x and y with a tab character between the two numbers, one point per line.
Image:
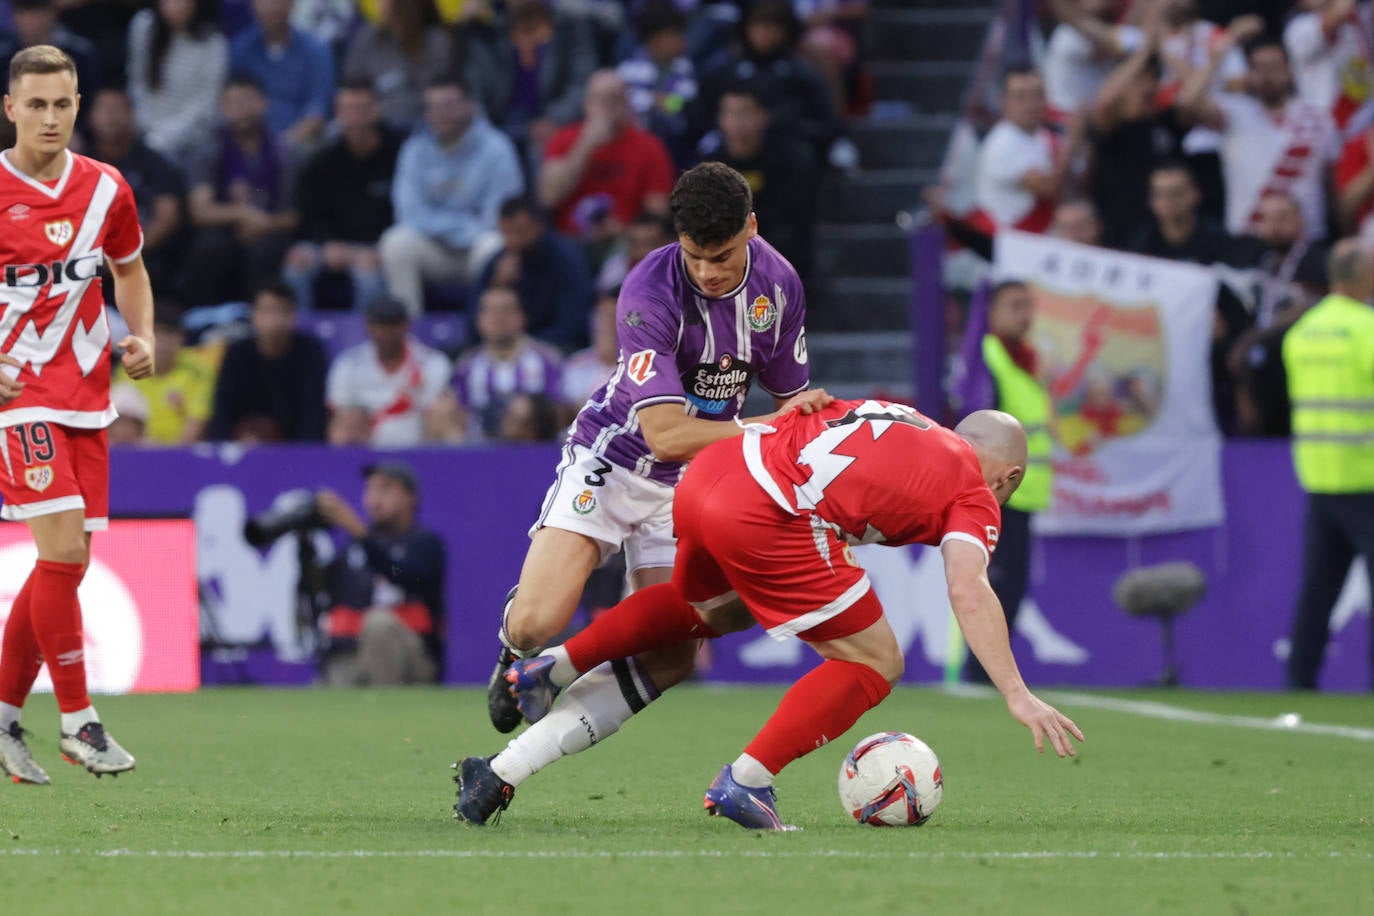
130	257
964	536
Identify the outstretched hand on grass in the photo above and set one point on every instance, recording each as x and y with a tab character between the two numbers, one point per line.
1044	721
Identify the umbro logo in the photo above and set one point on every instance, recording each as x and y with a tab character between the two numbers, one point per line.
70	658
18	212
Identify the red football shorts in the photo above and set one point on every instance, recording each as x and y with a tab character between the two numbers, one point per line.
46	468
795	575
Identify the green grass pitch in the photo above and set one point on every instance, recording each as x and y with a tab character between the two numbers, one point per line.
263	802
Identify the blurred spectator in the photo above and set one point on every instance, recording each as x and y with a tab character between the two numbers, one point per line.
295	71
1290	276
401	55
1330	43
831	43
603	171
339	232
645	233
1129	136
1179	233
1022	164
547	270
1185	46
1076	220
105	24
1355	185
271	385
181	390
782	175
178	62
129	427
1082	52
529	418
378	392
156	183
534	71
660	78
507	362
240	201
387	587
796	95
1274	141
451	179
35	23
330	22
587	370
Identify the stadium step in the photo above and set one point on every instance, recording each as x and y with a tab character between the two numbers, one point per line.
862	304
906	143
865	250
926	86
873	196
939	33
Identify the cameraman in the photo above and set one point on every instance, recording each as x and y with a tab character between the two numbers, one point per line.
387	586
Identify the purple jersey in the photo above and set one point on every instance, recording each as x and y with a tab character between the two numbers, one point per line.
678	346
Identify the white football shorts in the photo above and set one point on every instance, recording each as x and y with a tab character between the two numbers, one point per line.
612	506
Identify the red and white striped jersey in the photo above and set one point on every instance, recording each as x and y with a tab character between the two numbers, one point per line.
876	472
53	236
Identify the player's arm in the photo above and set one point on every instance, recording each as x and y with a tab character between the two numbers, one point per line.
673	435
134	293
984	626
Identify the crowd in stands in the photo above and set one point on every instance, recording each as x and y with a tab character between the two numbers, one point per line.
440	172
1236	135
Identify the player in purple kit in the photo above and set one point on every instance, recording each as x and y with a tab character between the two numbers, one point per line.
697	321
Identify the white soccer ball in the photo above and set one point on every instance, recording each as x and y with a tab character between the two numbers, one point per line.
891	779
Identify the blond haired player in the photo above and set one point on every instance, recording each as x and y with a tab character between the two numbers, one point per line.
61	215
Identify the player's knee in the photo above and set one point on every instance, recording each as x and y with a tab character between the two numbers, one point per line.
729	618
891	664
672	665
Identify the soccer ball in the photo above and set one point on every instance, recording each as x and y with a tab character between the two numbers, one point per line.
891	779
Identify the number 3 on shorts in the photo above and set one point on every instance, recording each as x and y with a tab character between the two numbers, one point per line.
597	478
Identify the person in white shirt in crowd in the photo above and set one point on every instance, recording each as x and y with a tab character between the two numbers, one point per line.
1022	164
586	370
1274	141
1331	44
1186	43
178	62
379	392
1082	51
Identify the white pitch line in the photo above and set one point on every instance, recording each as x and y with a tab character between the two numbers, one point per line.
1170	713
582	854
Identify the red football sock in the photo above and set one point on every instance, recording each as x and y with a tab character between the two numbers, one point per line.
57	624
818	708
652	618
20	659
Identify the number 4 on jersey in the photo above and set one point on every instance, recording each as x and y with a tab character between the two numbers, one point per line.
826	464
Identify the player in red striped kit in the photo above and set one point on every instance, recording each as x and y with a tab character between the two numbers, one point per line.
61	215
765	521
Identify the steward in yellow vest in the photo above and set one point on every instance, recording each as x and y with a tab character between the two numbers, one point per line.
1011	360
1329	359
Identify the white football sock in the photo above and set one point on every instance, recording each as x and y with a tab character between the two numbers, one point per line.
588	712
563	673
72	721
9	715
749	772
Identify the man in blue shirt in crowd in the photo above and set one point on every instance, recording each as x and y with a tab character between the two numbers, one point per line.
295	71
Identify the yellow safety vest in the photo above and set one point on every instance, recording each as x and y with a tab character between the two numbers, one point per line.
1019	394
1329	357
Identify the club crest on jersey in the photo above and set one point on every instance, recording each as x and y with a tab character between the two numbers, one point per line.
59	232
762	314
992	537
38	477
640	366
584	502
